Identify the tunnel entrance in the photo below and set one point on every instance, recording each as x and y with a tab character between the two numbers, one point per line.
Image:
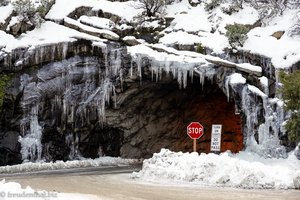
63	120
155	115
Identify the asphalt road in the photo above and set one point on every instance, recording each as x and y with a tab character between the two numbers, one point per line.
115	183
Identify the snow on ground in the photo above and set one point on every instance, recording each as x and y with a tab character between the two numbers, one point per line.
247	15
39	166
13	190
191	25
48	33
104	32
62	8
248	66
186	21
196	20
97	22
179	37
242	170
285	51
5	12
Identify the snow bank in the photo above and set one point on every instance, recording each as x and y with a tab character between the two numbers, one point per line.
12	190
186	21
48	33
107	34
102	161
62	8
5	12
180	37
97	22
283	52
243	170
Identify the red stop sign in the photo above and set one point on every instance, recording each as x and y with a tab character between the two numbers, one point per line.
195	130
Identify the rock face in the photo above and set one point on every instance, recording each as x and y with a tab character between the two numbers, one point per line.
83	106
73	99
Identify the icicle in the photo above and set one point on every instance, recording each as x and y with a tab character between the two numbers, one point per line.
131	68
53	49
64	50
73	144
251	117
179	78
268	132
31	145
42	51
36	52
227	88
185	78
139	66
191	73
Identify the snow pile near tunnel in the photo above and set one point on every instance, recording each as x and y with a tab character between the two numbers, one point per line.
13	190
242	170
39	166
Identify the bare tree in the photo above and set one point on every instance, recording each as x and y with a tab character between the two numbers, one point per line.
151	7
295	30
4	2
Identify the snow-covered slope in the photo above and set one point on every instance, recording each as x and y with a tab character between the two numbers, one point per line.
192	25
62	8
48	33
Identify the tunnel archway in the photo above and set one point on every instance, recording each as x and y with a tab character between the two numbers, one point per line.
155	115
148	115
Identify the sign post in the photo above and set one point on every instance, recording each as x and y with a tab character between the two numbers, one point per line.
216	132
195	131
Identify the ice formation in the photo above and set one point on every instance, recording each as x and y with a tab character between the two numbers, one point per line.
79	87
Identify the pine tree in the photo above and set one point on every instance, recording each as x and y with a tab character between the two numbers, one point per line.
291	96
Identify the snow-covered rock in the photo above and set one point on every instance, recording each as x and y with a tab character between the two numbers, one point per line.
103	33
131	40
97	22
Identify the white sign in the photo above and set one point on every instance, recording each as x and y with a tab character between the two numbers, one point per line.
216	132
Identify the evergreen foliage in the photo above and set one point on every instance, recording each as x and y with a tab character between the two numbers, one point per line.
200	48
4	80
291	96
237	34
